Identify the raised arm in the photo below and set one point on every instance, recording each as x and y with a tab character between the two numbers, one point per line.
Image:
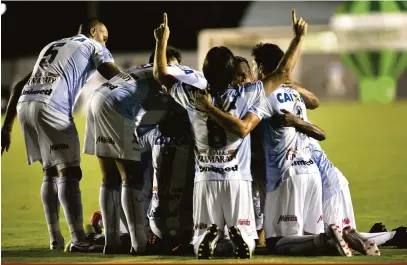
287	119
11	113
160	71
290	58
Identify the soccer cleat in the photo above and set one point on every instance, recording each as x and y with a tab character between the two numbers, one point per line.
97	222
399	239
242	250
360	243
207	245
336	240
85	247
378	228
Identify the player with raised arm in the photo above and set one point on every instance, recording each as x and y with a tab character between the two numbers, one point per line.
113	114
44	100
222	192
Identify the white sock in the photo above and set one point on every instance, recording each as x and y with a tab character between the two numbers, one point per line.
132	202
379	238
300	245
50	201
69	195
110	201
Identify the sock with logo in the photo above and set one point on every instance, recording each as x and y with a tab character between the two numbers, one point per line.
132	201
110	201
49	197
379	238
298	245
69	195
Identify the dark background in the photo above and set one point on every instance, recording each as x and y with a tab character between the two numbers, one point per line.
28	26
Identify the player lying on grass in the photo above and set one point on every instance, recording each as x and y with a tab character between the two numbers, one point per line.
222	158
111	123
44	110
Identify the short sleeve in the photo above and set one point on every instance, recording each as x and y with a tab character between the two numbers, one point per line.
257	101
101	55
183	93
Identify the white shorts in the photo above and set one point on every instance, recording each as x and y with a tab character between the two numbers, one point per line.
49	135
109	134
295	207
339	209
227	202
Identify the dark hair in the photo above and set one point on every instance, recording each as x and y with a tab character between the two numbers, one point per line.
85	27
219	67
240	59
267	54
172	53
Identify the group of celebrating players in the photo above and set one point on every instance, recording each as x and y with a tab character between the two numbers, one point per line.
199	137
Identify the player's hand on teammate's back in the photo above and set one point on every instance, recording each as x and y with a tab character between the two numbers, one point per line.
202	100
299	26
5	140
163	32
287	119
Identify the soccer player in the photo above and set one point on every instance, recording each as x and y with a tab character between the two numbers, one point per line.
44	110
222	192
170	211
111	122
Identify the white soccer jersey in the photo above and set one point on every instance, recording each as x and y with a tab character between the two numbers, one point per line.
61	70
135	93
286	150
220	155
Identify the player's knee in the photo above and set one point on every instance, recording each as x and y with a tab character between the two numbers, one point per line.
71	172
133	175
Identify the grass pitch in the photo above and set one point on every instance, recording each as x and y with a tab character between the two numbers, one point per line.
366	142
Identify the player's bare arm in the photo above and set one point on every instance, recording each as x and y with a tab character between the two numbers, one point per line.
311	101
11	114
290	58
287	119
160	71
108	70
239	127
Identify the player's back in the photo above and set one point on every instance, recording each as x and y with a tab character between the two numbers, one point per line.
220	155
286	150
61	70
135	91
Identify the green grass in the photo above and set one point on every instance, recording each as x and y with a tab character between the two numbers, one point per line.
367	142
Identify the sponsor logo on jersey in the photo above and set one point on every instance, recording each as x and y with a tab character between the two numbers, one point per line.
46	92
345	221
105	140
243	222
57	147
40	80
288	97
110	86
303	163
287	218
163	140
218	169
216	156
200	226
320	219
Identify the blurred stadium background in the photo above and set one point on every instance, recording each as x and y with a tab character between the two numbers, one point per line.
355	52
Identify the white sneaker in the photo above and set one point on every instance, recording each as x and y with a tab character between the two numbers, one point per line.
359	242
336	240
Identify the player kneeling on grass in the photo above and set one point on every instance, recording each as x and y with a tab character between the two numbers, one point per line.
170	211
112	112
45	102
222	192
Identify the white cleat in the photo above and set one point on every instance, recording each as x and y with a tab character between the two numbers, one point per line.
333	231
360	243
